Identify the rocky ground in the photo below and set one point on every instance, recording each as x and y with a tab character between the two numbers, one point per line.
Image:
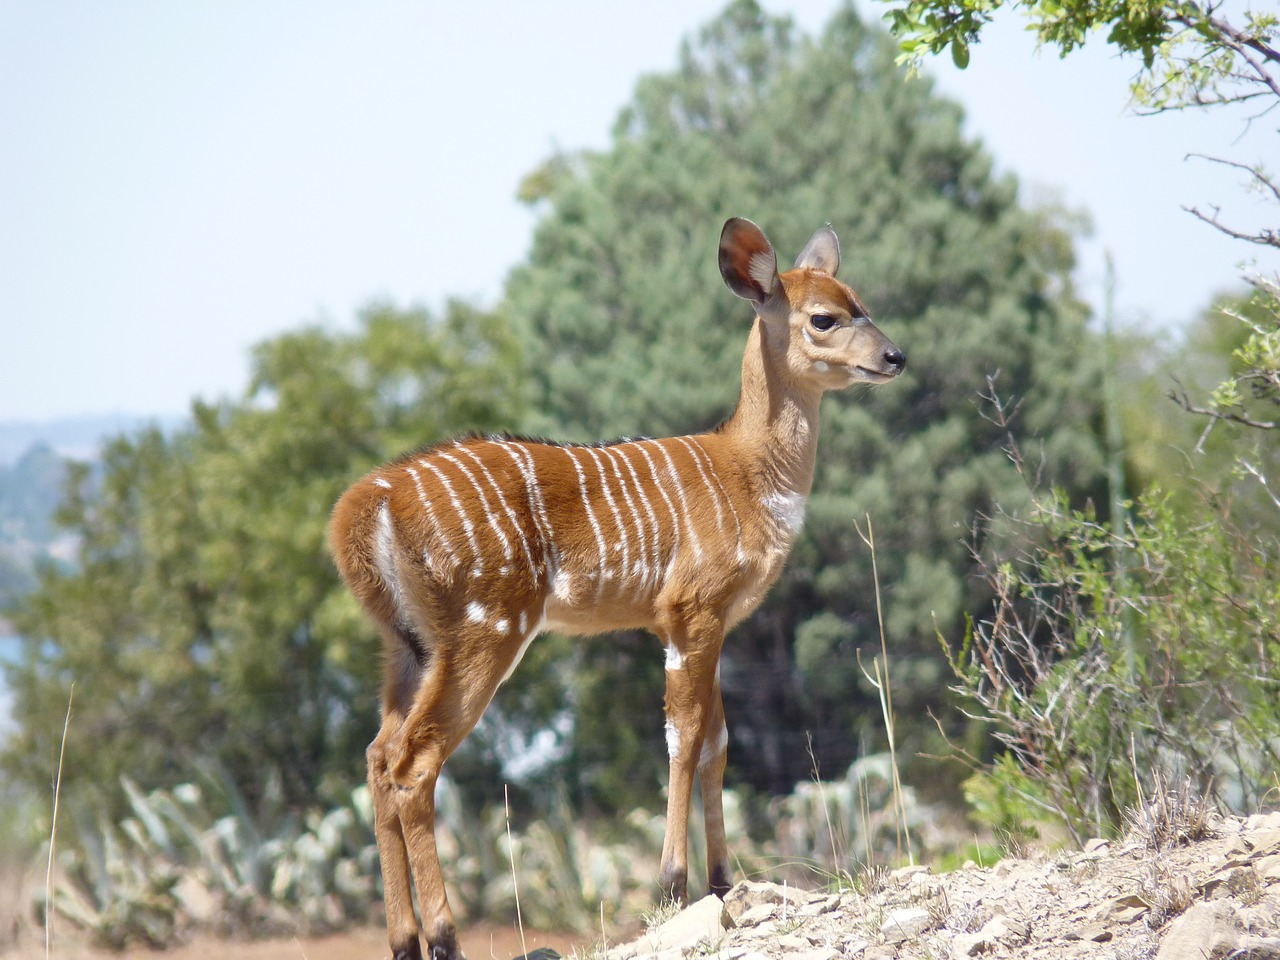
1158	894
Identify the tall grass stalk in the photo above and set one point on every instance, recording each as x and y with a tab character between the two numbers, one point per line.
51	907
886	695
515	883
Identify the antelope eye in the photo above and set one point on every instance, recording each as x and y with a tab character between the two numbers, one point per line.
822	321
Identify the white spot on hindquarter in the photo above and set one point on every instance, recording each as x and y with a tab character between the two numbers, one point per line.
503	625
476	613
673	740
787	509
384	557
382	482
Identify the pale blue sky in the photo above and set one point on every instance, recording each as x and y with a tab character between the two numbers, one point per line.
180	180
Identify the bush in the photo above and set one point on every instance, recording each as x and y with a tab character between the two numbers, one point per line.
1122	654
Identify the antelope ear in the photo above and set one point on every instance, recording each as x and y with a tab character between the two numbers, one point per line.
822	252
747	261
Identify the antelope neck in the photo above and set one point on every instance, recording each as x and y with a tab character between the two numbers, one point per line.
776	421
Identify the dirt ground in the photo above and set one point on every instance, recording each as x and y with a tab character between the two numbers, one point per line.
478	943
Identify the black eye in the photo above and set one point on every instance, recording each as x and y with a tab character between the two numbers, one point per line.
822	321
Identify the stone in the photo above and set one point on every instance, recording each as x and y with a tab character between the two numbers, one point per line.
1269	867
968	945
906	873
696	923
756	915
1001	927
751	893
906	923
1263	821
1204	930
1260	948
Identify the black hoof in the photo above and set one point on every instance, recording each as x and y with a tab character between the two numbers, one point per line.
444	946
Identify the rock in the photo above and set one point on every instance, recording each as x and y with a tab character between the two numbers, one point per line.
1097	932
1096	845
696	923
968	945
1205	930
754	916
906	873
1269	867
1124	909
1005	928
818	953
1260	948
750	893
1263	821
906	923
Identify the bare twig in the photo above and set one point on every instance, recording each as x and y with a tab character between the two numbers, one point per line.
50	905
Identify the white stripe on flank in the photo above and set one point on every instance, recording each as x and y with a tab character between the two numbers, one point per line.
675	522
697	462
595	524
484	502
523	460
430	510
655	542
502	501
684	503
467	526
643	568
621	538
711	468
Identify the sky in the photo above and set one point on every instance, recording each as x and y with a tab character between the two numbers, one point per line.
179	181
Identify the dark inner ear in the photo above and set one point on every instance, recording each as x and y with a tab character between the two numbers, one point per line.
747	261
822	252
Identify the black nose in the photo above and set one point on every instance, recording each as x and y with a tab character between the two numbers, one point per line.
895	358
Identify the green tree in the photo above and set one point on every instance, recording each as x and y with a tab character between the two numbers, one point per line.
631	331
205	621
1127	627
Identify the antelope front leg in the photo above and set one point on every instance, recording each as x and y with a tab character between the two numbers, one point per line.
691	675
711	762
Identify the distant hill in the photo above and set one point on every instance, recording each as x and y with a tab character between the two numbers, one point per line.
33	469
74	437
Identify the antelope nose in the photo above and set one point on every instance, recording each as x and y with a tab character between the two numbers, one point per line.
895	358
